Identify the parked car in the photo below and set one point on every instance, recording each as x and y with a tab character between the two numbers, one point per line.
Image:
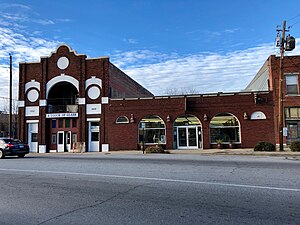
11	147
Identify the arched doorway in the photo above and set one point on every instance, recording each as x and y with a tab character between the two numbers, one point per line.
62	116
187	132
61	95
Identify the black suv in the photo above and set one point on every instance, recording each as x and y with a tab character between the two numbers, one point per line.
9	146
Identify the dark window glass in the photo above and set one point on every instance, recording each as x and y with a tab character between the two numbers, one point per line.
53	123
67	123
60	138
74	137
94	124
291	84
74	123
60	123
122	119
34	137
95	136
53	139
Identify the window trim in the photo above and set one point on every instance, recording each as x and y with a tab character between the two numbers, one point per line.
224	127
122	122
145	129
297	83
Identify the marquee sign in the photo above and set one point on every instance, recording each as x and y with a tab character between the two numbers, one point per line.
61	115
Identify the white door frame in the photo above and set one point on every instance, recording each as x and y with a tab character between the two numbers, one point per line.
94	145
60	141
68	140
198	129
32	129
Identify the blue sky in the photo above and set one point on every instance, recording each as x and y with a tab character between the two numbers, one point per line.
166	45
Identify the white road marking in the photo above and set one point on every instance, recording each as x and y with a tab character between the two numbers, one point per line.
155	179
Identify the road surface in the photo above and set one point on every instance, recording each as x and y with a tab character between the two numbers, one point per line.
149	189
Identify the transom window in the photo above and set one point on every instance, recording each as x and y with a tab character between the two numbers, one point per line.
122	119
291	84
292	113
224	127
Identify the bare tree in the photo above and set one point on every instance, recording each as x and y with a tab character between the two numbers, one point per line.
181	91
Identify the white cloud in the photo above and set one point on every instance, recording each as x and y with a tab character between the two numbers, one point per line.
22	48
203	72
159	72
130	40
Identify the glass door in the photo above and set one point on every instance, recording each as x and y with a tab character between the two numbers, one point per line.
68	141
182	137
60	141
188	137
94	136
192	137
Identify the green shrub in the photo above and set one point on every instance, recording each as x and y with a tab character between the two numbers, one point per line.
155	149
295	146
265	146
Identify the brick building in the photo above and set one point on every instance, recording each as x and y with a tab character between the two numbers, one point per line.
267	79
68	99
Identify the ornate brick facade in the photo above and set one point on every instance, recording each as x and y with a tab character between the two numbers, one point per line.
67	99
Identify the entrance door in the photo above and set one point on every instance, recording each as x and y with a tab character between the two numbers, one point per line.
33	137
188	137
68	141
94	137
60	141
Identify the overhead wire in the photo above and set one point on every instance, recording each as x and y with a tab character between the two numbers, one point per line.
293	17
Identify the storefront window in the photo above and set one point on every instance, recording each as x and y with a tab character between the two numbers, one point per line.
152	130
292	119
224	127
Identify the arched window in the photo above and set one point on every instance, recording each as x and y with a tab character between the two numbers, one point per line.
122	119
224	127
258	115
152	130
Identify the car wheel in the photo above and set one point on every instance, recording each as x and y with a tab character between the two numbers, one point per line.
2	155
21	155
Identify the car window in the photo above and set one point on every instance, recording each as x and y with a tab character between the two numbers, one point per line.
6	140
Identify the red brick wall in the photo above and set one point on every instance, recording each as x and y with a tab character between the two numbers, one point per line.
79	68
125	136
291	65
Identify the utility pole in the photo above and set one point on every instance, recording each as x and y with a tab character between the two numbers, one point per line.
10	97
280	94
285	44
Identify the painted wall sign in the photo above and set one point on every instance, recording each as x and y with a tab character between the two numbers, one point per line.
61	115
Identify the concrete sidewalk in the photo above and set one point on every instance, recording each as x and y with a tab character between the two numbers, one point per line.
244	151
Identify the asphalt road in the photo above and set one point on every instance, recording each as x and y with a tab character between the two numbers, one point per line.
149	189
